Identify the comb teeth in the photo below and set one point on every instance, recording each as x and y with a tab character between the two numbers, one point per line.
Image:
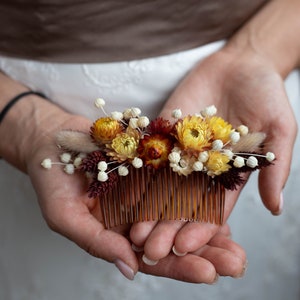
150	195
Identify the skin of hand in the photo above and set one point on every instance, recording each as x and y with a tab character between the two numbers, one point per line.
67	210
244	80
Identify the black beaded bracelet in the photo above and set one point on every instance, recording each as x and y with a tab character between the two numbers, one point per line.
9	105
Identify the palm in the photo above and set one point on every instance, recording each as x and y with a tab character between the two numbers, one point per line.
69	211
246	91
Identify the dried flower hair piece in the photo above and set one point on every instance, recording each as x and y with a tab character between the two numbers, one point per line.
152	170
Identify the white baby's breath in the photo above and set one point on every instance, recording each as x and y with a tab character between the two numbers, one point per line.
217	145
143	121
270	156
65	157
243	130
102	176
137	162
177	114
174	157
123	171
209	111
117	115
239	162
235	137
99	102
252	162
69	169
102	166
47	163
203	156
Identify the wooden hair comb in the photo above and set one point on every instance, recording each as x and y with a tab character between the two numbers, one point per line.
145	170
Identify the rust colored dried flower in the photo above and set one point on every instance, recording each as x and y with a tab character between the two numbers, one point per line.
193	133
160	126
154	150
98	188
90	163
105	129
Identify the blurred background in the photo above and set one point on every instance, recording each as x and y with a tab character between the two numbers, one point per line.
38	264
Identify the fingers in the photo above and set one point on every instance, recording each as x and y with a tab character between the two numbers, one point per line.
189	268
220	256
160	241
273	178
80	226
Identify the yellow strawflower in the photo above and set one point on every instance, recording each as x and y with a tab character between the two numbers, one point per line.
217	163
125	147
220	128
193	133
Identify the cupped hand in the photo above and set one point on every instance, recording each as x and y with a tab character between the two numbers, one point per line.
246	89
69	211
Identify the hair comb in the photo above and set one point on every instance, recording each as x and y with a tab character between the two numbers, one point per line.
144	170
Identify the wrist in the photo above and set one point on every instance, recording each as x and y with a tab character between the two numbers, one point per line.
272	35
30	127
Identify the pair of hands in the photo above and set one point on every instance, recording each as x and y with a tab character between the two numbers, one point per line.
246	89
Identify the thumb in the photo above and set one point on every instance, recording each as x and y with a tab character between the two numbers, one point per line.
273	178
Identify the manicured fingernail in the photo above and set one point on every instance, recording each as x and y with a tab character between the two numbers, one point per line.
177	252
148	261
124	269
280	208
136	248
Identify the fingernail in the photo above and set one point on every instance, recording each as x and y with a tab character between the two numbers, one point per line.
243	271
215	280
177	252
124	269
136	248
280	208
148	261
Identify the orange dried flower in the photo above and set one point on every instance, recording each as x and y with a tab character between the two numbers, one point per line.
154	150
105	129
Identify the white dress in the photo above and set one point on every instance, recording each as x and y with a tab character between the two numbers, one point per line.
37	264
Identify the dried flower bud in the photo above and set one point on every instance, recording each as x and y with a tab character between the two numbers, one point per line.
137	162
69	169
235	137
65	158
239	162
135	112
198	166
99	102
243	130
102	176
47	163
143	122
102	166
203	156
123	171
174	157
228	153
270	156
176	114
217	145
77	161
117	115
209	111
133	123
252	162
